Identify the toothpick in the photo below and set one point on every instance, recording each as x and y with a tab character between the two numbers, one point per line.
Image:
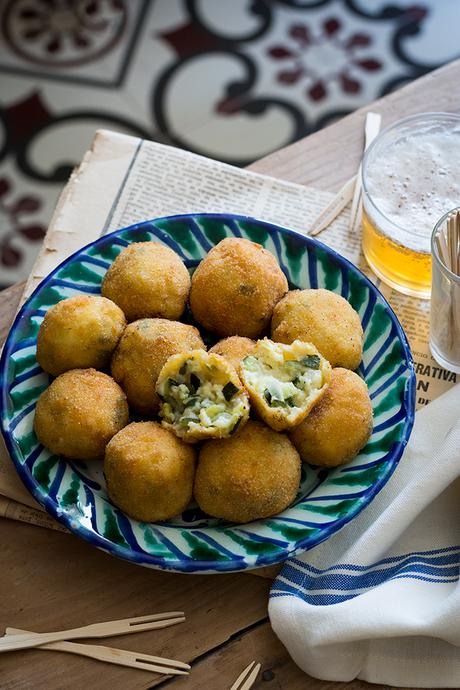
444	254
452	242
334	208
457	243
440	249
371	129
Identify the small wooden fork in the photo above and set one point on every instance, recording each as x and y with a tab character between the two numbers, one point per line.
121	657
247	678
154	621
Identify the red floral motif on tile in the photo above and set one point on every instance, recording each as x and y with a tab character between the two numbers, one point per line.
63	33
349	48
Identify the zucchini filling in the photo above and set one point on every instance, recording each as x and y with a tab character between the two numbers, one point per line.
201	396
286	379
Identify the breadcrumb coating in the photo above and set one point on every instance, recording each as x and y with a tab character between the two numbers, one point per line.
77	415
252	475
234	349
148	279
78	333
339	426
235	288
149	472
141	353
323	318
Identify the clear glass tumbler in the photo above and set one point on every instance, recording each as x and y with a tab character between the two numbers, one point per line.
445	307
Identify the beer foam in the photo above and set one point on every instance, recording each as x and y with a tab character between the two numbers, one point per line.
414	182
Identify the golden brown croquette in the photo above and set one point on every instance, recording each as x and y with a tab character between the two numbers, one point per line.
284	382
78	333
339	425
234	349
148	279
149	472
77	415
141	353
201	396
235	288
251	475
323	318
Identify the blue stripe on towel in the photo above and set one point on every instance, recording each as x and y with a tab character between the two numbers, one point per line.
345	581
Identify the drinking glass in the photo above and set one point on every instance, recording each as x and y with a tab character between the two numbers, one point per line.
445	307
410	178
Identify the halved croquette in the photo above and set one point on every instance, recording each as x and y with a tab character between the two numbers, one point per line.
284	381
202	396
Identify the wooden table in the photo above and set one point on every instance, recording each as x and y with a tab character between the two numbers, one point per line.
50	580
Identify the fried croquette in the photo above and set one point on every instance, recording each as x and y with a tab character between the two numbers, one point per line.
141	353
78	333
201	396
339	425
234	349
251	475
149	472
148	279
235	288
77	415
323	318
284	381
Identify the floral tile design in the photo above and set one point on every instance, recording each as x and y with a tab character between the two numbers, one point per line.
87	42
231	80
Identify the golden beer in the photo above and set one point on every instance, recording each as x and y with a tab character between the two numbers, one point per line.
405	269
410	179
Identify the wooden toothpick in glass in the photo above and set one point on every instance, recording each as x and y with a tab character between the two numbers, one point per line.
371	129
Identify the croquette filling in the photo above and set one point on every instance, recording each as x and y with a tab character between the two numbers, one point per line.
284	376
194	400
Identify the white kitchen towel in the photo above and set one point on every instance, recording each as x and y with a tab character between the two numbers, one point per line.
380	600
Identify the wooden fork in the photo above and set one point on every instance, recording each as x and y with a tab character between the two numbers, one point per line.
247	678
154	621
122	657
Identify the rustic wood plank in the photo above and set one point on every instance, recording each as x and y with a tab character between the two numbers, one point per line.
9	300
50	581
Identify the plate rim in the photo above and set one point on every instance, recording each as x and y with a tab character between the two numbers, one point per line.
197	566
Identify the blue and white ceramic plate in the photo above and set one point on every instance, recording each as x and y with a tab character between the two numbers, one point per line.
74	492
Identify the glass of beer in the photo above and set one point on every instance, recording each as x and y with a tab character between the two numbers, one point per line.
410	179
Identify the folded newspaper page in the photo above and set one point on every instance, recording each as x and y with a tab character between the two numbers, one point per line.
123	180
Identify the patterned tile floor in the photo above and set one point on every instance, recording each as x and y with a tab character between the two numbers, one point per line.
232	80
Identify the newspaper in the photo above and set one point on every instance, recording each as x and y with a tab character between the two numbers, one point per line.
123	180
17	511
